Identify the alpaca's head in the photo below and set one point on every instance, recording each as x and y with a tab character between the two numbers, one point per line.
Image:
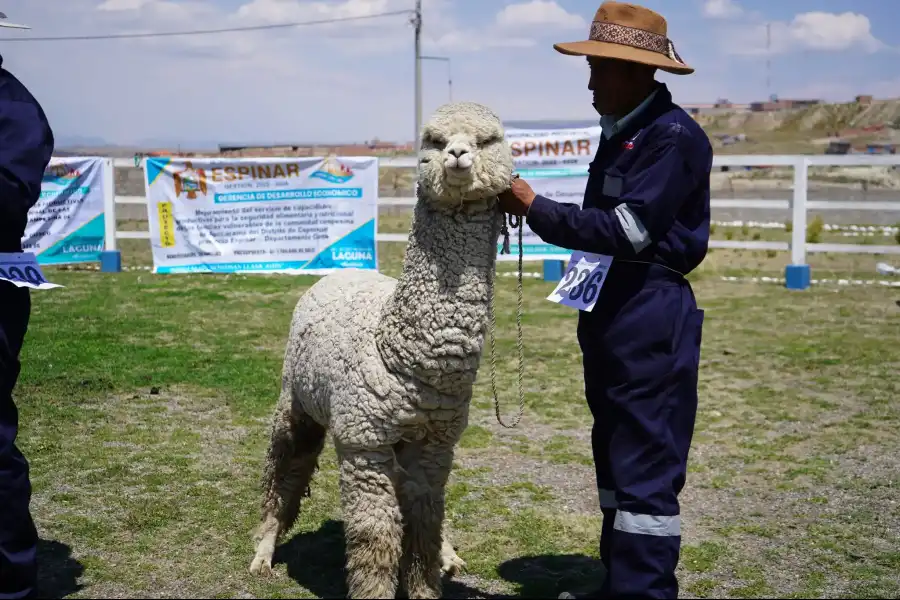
465	156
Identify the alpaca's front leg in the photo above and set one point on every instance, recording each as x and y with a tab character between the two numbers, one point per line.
422	502
372	523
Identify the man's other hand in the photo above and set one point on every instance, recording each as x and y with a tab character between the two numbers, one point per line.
517	199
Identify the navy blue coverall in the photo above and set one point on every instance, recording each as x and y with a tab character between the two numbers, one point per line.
26	146
646	204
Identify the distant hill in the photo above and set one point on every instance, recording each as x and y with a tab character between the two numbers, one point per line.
789	131
63	141
73	145
818	118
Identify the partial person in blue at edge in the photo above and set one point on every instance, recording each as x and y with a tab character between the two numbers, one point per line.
26	146
646	204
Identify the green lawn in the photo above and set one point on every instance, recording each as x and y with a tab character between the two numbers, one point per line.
145	404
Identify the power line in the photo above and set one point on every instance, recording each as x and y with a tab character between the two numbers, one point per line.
112	36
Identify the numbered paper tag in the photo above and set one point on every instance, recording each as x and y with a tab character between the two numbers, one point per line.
581	283
23	270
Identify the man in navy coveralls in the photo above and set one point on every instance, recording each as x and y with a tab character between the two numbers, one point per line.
646	204
26	146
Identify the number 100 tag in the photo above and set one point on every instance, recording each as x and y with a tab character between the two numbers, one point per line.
581	283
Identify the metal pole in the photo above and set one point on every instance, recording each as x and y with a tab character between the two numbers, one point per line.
449	71
417	23
769	60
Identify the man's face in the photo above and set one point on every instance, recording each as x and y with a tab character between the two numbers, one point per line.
612	84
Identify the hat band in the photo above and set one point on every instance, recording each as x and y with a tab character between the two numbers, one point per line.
604	31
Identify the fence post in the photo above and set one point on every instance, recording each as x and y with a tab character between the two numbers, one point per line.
110	258
797	274
553	270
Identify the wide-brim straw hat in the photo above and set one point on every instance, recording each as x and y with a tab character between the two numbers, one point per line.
5	23
632	33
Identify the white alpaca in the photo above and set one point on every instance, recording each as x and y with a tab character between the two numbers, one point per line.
388	367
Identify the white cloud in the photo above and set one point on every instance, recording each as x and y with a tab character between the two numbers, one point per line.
830	31
721	9
819	31
540	13
116	5
348	81
280	11
514	26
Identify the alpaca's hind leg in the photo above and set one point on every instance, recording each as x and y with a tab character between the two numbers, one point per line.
451	564
372	522
422	502
292	458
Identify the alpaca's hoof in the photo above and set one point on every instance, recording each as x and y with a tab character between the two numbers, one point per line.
262	566
451	564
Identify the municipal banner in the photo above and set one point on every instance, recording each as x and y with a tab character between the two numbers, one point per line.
66	225
565	151
555	163
267	214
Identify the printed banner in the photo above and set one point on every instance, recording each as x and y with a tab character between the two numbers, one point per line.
565	151
267	214
66	225
555	163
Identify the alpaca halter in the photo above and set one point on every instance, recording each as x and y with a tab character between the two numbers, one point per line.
515	223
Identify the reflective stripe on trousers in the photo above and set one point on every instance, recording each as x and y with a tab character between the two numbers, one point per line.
629	522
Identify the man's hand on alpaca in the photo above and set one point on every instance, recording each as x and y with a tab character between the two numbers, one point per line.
518	198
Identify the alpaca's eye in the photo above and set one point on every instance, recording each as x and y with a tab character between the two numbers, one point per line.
434	140
494	139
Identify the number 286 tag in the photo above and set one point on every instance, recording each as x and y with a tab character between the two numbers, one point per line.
581	283
22	270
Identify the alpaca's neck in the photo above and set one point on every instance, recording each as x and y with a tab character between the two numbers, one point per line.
433	325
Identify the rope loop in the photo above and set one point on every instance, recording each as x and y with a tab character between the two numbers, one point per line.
516	223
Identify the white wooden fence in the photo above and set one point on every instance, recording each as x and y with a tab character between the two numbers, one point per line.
799	205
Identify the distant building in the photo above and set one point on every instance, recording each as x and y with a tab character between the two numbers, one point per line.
865	100
719	107
782	104
801	103
881	148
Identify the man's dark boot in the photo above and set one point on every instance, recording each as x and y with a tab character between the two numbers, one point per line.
574	590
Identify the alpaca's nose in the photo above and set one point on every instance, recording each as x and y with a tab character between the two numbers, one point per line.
457	152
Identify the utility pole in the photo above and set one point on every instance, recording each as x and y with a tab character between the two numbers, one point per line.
417	23
769	60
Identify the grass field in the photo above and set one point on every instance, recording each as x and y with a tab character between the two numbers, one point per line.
145	404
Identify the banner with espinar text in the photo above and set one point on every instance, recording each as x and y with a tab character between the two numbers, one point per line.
267	214
555	164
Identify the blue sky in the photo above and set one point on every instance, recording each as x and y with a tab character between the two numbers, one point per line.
352	82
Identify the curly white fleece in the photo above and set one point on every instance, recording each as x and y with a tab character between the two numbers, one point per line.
387	366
